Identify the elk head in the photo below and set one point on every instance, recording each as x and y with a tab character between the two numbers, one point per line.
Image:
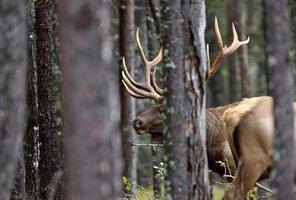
151	120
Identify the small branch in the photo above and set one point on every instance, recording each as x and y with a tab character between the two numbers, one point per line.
263	188
146	145
257	184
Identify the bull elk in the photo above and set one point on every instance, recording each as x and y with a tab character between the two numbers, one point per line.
240	132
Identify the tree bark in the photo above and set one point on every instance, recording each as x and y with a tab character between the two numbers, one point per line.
43	137
18	191
13	61
243	51
293	28
153	35
127	50
195	98
174	128
91	101
280	86
233	68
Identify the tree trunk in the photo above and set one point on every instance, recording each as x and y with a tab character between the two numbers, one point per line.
293	28
194	105
243	51
216	87
18	191
174	128
153	35
13	61
233	68
280	86
91	101
127	50
43	137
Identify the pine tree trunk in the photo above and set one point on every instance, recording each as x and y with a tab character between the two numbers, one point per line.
280	86
174	128
127	50
233	68
153	35
13	61
194	105
243	51
91	101
43	151
293	28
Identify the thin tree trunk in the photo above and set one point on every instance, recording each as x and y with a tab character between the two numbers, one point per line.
243	51
293	28
13	61
195	99
42	148
140	23
91	101
233	70
174	128
281	82
216	85
127	50
153	35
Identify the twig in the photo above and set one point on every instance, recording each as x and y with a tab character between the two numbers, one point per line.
146	145
257	184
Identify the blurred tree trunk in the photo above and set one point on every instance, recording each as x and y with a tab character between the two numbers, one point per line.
292	4
13	61
43	137
127	50
18	191
241	10
233	68
140	22
174	109
91	101
278	42
216	85
194	105
153	35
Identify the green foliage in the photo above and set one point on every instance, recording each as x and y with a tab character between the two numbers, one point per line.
142	193
127	183
218	192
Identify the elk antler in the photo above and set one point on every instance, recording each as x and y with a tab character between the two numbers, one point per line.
223	51
145	89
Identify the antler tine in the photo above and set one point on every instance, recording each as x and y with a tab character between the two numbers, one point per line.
128	76
157	89
138	91
131	92
224	51
154	62
209	62
235	43
145	89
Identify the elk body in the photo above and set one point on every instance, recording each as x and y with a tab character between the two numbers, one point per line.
239	134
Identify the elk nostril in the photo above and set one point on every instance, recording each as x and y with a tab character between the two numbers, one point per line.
137	123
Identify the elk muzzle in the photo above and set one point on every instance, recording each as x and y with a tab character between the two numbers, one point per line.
150	121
